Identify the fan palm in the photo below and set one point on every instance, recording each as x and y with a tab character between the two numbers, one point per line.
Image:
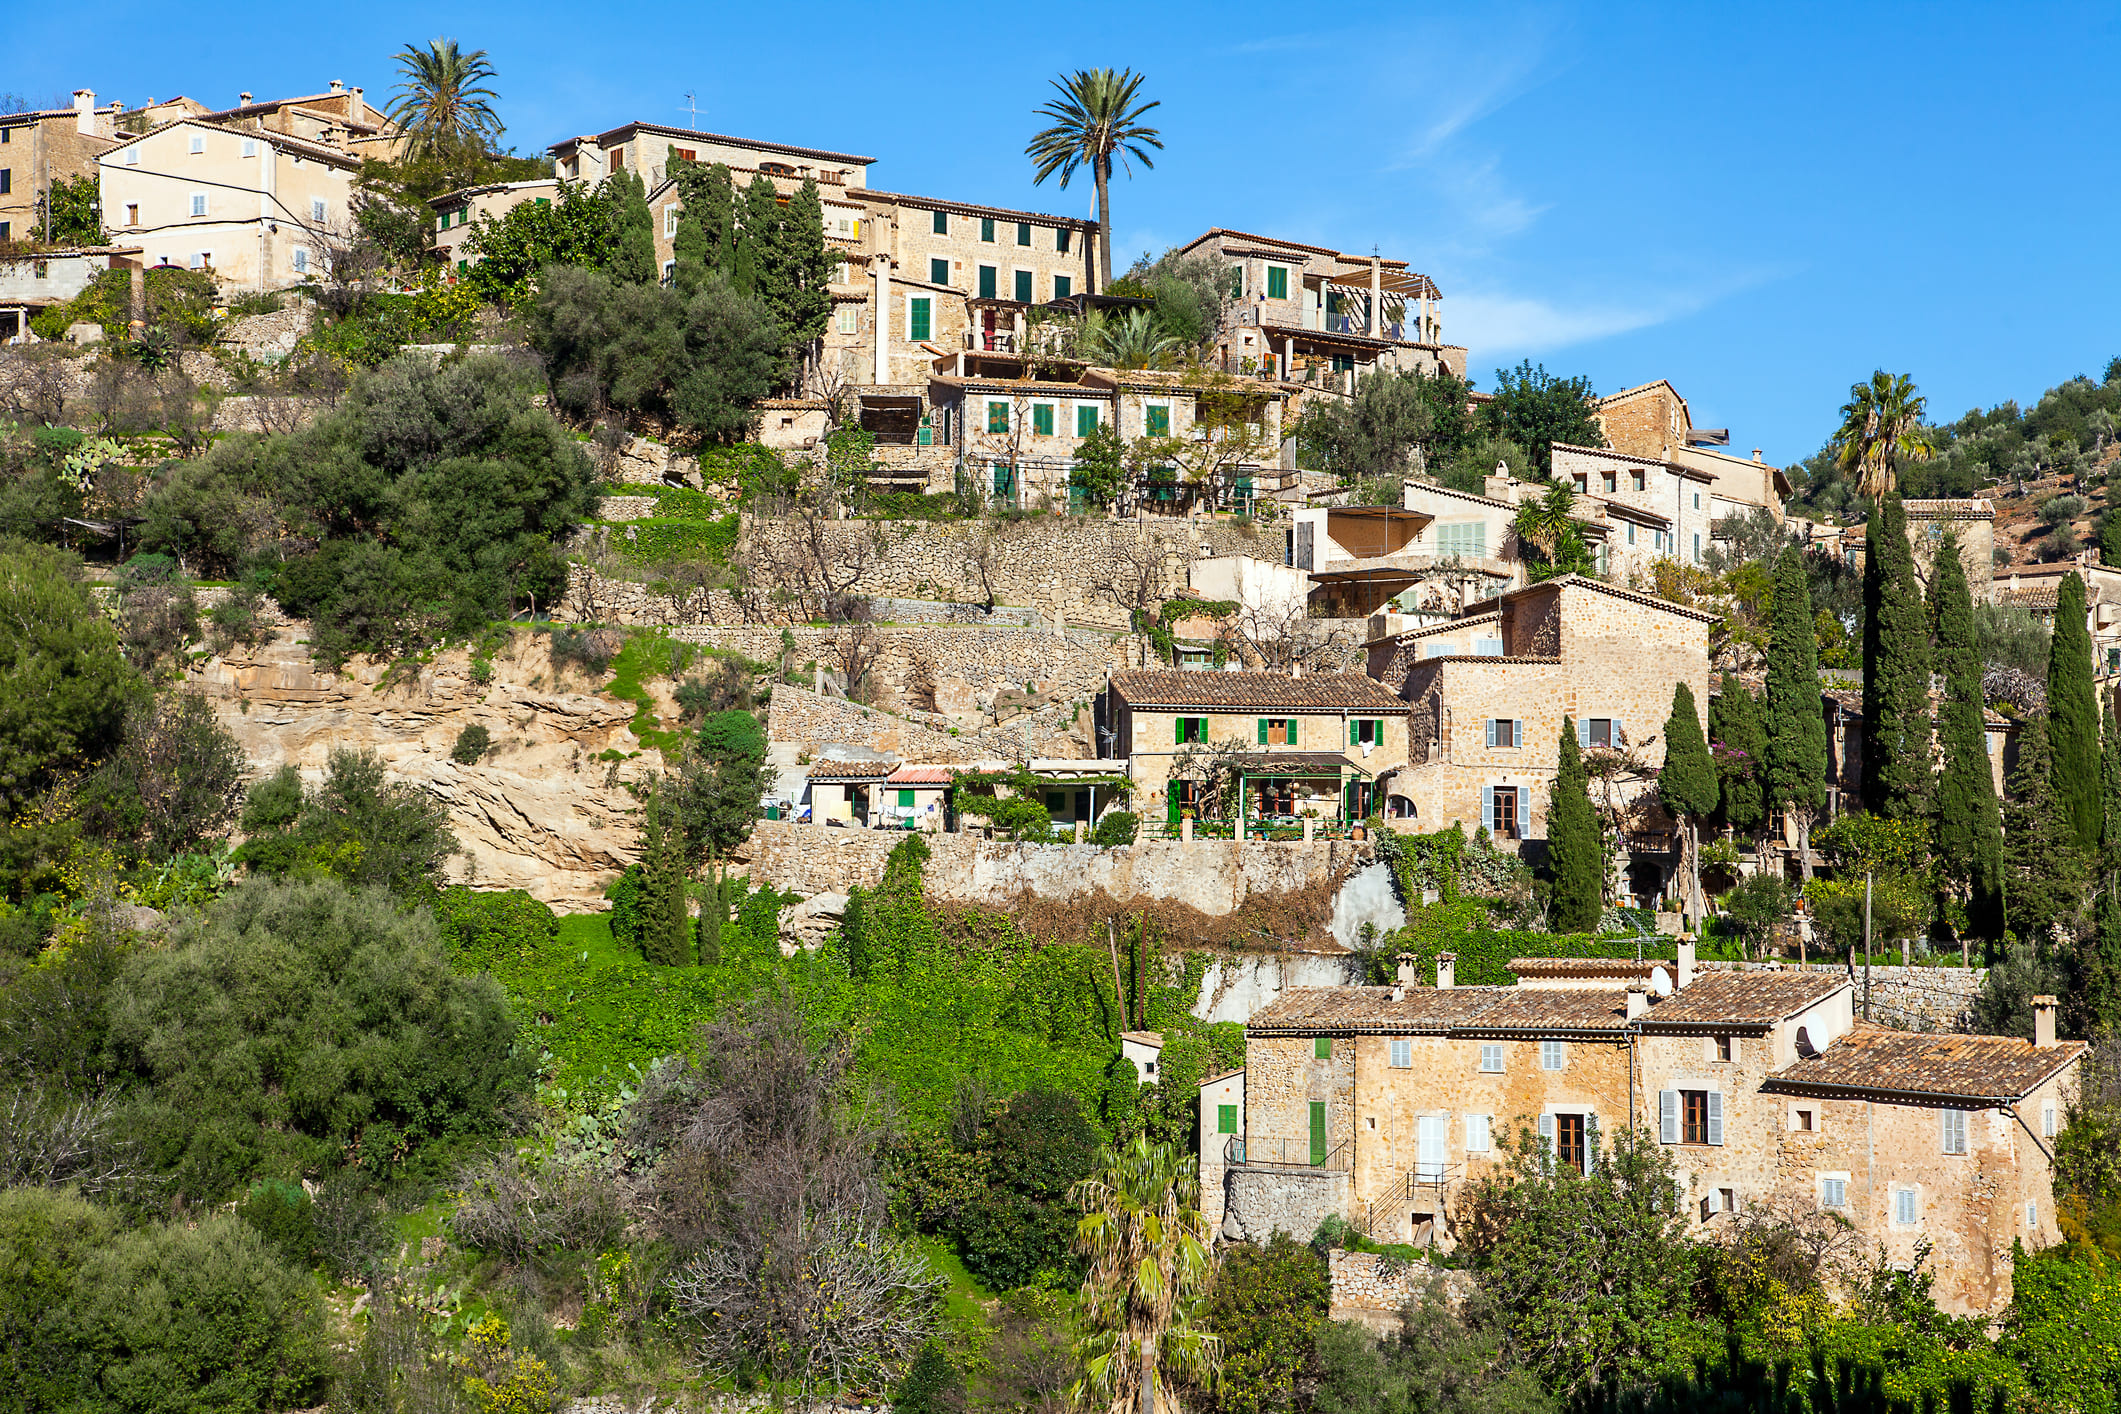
1094	117
1129	340
1881	424
443	101
1149	1266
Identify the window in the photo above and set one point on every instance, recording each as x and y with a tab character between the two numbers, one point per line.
1566	1133
1631	532
1158	420
1599	732
198	203
132	156
132	213
939	223
2047	1121
1060	240
989	281
7	135
1278	731
1904	1210
1690	1117
688	154
316	208
1552	1055
1318	1127
1803	1122
1467	540
301	261
618	159
2032	1213
938	271
1023	287
1640	482
670	220
1226	1119
1023	233
1403	1055
1724	1048
1277	282
1477	1134
1042	419
1833	1193
1697	500
1609	482
1085	419
1506	810
1505	733
918	323
986	229
1322	1048
670	275
198	260
1366	731
198	142
1491	1057
847	315
1063	286
1697	546
1954	1131
1191	731
905	800
997	417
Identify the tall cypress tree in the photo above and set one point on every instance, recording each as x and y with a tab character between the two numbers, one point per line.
1795	779
1741	765
1969	823
1687	784
805	268
758	221
2044	874
631	257
2096	987
2073	718
1896	670
666	931
1575	849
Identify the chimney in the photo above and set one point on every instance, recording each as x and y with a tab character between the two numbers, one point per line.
1296	670
85	111
1756	454
243	100
2043	1021
357	98
1405	972
338	85
1399	994
1684	971
1638	1000
1446	970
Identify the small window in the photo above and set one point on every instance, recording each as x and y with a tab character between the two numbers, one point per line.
1640	482
1804	1124
1477	1134
198	142
997	417
1063	286
938	271
1694	1116
1726	1048
1366	731
132	156
848	314
1402	1055
1042	419
1631	532
1226	1119
986	229
939	222
1954	1131
670	275
1023	233
316	208
688	154
1608	482
250	147
1277	282
2032	1213
2047	1121
1322	1048
1024	289
1505	733
989	281
1158	420
1904	1211
1552	1055
1697	500
132	213
618	159
198	203
1085	419
198	260
1833	1193
1060	240
670	220
301	261
1191	731
918	320
1491	1057
1596	732
1279	731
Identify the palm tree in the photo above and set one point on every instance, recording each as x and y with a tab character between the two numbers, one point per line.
1149	1267
443	102
1093	118
1129	340
1881	424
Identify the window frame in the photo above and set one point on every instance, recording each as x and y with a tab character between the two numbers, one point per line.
1553	1055
1952	1137
1491	1049
1907	1200
199	207
1833	1192
1277	276
1480	1127
997	418
1401	1053
920	318
1063	286
939	225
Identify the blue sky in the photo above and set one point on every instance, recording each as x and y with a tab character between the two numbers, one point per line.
1761	203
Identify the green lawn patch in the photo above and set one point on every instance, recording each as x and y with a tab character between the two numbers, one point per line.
591	933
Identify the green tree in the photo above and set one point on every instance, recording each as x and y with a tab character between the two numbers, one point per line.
666	931
65	688
74	211
510	254
1740	748
1552	534
1969	821
302	1026
1881	424
2095	994
706	237
1100	468
798	291
2045	875
1016	1232
1372	435
444	99
1094	119
631	260
1688	785
2073	718
1896	669
357	826
1590	1270
1143	1328
717	795
1795	756
1535	409
175	781
1575	849
1269	1306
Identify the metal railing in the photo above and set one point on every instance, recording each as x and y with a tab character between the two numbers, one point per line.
1290	1153
1421	1180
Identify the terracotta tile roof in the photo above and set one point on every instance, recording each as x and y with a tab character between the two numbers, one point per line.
1584	967
1143	1038
1247	692
1311	1011
1973	508
2030	598
1219	1076
1742	999
1984	1068
663	131
851	770
922	776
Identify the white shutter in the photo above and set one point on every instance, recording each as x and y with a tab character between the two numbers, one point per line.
1715	1116
1487	808
1431	1139
1524	810
1668	1116
1546	1132
1491	733
1619	734
1476	1133
1517	733
1583	731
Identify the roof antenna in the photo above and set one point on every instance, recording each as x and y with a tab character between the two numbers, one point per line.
692	106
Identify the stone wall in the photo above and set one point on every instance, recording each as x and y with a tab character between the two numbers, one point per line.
1259	1202
1911	998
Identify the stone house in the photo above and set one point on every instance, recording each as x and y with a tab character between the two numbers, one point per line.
915	797
259	209
1222	1136
1652	510
1311	314
341	117
1488	692
849	791
1383	1104
456	211
47	145
1142	1050
1652	421
52	277
1309	744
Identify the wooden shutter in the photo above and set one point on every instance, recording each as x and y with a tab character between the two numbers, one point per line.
917	320
1226	1119
1583	732
987	277
1715	1116
1178	731
1487	808
1292	730
1353	728
1546	1132
1318	1132
1491	733
1668	1116
1023	286
1524	811
986	228
1063	286
1262	731
1517	733
1322	1048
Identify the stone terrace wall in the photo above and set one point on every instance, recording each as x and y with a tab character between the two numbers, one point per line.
1259	1202
1911	998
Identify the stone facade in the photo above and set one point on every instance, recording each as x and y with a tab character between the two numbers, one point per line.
1260	1201
1908	998
47	145
1653	422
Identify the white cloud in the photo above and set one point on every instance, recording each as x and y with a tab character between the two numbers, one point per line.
1500	322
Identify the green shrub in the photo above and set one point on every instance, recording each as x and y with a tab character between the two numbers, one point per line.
356	826
1117	828
281	1212
502	933
590	647
473	743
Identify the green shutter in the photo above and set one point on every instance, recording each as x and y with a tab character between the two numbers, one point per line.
1086	420
986	228
1042	419
941	225
1237	282
1277	282
1023	233
1293	730
1159	421
1178	731
1060	240
917	319
1322	1048
997	417
987	276
1262	731
1023	286
1318	1127
905	800
1063	286
1226	1119
938	272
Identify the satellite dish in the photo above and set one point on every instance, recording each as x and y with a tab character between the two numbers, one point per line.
1660	982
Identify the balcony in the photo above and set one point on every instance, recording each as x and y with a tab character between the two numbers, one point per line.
1289	1154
